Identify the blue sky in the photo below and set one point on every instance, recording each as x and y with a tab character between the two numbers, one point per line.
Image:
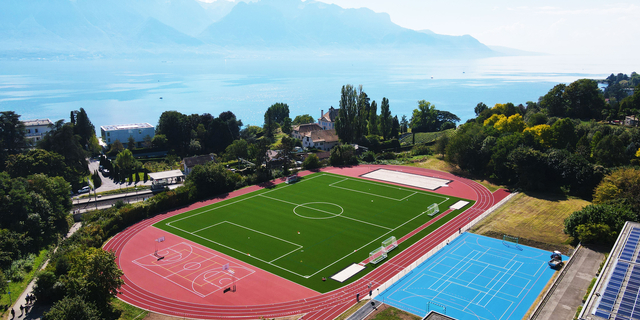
595	28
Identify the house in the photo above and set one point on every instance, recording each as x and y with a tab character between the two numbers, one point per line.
631	121
322	139
328	120
300	131
36	129
274	158
189	163
122	133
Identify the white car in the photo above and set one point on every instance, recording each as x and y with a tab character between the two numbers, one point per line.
84	189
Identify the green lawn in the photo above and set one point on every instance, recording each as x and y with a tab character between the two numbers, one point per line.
313	228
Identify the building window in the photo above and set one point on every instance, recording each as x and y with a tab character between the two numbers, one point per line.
36	130
108	134
28	130
109	140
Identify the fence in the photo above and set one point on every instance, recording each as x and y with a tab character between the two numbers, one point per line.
408	270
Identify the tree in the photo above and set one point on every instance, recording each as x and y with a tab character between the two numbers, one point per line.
373	118
37	161
97	181
116	148
159	141
343	155
277	113
62	141
125	161
286	125
72	308
514	123
347	115
554	101
622	185
211	179
395	127
609	152
479	108
303	119
269	123
464	148
386	121
131	143
404	124
238	149
564	134
311	162
12	139
83	128
286	146
94	275
174	126
584	98
424	117
613	216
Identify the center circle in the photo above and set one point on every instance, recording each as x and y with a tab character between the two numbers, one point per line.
319	208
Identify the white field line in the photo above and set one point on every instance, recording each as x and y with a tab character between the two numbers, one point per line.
331	213
236	250
237	201
329	265
382	184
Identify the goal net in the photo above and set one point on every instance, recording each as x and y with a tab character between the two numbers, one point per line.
291	179
390	243
433	209
377	255
507	239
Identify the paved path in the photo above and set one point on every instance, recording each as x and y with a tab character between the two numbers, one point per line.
566	298
34	311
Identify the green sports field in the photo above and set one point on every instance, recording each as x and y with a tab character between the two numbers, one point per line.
313	228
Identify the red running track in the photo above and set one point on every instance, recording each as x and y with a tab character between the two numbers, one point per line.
323	306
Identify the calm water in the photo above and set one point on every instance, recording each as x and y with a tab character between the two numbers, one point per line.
122	92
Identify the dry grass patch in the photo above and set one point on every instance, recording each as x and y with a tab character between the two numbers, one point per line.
538	219
386	312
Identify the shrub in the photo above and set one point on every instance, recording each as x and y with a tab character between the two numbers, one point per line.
311	162
368	156
421	150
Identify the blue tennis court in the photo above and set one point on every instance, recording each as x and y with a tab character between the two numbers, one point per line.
474	277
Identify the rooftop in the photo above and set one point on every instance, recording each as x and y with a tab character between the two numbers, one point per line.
126	126
37	122
199	160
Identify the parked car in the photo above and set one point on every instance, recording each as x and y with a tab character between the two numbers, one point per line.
84	189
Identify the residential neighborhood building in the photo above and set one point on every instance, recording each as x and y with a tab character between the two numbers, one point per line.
300	131
631	121
328	120
322	139
36	129
138	131
189	163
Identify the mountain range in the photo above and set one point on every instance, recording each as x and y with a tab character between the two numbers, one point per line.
125	27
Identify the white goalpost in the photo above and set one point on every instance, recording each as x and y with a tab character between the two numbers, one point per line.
377	255
390	244
433	209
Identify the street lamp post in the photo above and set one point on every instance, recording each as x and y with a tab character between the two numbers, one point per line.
8	291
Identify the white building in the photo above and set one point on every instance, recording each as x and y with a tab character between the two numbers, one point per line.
122	132
328	120
322	139
302	130
36	129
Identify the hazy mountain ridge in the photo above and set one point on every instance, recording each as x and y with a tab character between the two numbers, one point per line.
119	27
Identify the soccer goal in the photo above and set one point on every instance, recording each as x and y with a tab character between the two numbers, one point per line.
292	179
390	243
433	209
377	255
507	239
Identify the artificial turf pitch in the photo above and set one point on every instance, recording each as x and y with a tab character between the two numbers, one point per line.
313	228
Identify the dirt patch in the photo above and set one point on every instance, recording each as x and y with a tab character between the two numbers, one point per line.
386	312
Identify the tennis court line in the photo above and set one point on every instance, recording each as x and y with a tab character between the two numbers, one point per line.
331	213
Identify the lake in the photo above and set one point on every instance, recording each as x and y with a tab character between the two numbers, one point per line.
130	91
